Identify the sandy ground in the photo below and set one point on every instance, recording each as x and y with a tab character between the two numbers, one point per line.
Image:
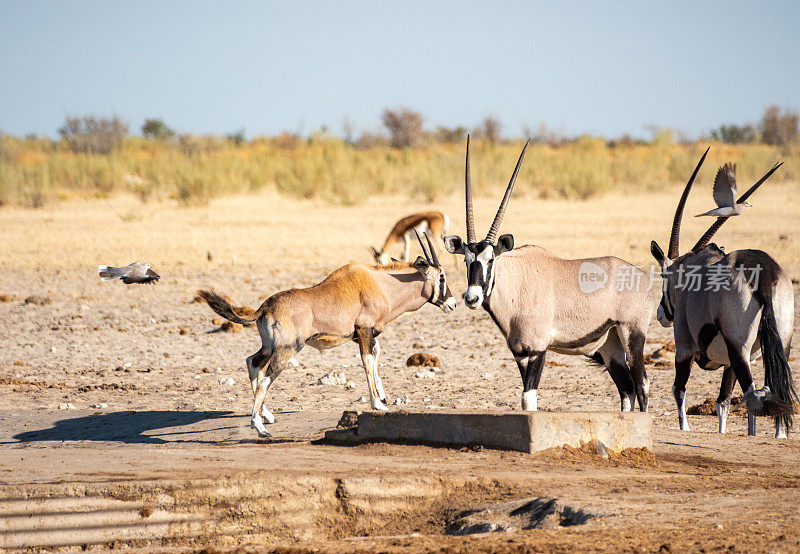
153	351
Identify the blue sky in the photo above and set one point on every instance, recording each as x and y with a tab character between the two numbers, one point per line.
580	67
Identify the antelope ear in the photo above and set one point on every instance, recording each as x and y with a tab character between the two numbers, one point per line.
421	265
453	244
504	244
657	253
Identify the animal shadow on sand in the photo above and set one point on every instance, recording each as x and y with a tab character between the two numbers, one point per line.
145	427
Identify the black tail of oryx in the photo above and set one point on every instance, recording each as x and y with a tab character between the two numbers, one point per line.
224	308
777	373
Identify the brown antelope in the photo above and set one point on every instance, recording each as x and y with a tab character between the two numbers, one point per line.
724	308
354	303
435	222
598	307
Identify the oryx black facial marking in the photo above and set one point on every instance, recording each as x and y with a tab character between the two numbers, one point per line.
479	258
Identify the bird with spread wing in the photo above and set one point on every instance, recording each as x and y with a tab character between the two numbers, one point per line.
725	194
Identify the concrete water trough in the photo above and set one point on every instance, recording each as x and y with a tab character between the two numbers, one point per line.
521	431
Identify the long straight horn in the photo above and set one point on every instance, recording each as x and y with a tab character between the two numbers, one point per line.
706	238
501	211
468	192
424	250
674	238
434	257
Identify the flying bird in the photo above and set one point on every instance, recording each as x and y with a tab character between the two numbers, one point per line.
136	272
725	194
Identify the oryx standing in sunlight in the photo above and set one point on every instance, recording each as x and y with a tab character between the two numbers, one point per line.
354	303
597	307
724	308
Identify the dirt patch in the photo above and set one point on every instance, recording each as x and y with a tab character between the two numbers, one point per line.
596	453
37	384
709	407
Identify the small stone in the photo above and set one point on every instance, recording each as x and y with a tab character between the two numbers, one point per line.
183	331
363	399
424	360
37	300
486	376
401	400
601	449
719	526
227	382
66	406
424	373
293	399
216	321
99	406
5	298
333	378
350	385
230	327
197	376
53	349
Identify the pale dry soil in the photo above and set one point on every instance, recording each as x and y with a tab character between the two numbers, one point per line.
171	430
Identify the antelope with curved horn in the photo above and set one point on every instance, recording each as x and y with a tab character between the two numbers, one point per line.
541	302
724	308
354	303
436	222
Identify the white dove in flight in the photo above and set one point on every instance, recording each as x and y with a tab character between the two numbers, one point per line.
725	194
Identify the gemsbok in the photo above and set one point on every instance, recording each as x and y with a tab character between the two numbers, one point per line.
435	222
354	303
724	308
596	307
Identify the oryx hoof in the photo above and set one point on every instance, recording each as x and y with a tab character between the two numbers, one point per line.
379	406
258	425
530	402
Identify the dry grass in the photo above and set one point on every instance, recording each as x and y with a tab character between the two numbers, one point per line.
267	233
195	170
